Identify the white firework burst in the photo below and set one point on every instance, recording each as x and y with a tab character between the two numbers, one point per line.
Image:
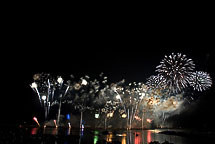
200	81
156	81
177	70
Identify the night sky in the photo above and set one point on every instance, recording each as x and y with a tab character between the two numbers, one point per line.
121	53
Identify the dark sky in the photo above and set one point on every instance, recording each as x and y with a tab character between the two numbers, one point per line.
119	50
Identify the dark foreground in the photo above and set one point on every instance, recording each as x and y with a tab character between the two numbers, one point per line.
26	135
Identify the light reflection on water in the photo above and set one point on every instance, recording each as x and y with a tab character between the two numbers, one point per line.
34	131
125	137
149	136
143	137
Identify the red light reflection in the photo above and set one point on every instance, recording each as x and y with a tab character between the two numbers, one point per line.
34	131
137	138
149	138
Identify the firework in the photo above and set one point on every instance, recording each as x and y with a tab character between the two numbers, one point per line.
200	81
69	125
55	123
49	90
77	86
60	80
44	97
177	70
36	77
156	81
84	82
161	95
35	119
34	87
96	115
60	103
149	120
137	118
118	96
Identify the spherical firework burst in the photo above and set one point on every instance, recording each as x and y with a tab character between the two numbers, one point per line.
200	81
156	81
177	70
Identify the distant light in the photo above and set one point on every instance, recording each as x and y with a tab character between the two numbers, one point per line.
110	114
95	139
34	131
68	116
124	115
96	115
44	97
84	82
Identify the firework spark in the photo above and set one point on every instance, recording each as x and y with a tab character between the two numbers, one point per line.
35	119
149	120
